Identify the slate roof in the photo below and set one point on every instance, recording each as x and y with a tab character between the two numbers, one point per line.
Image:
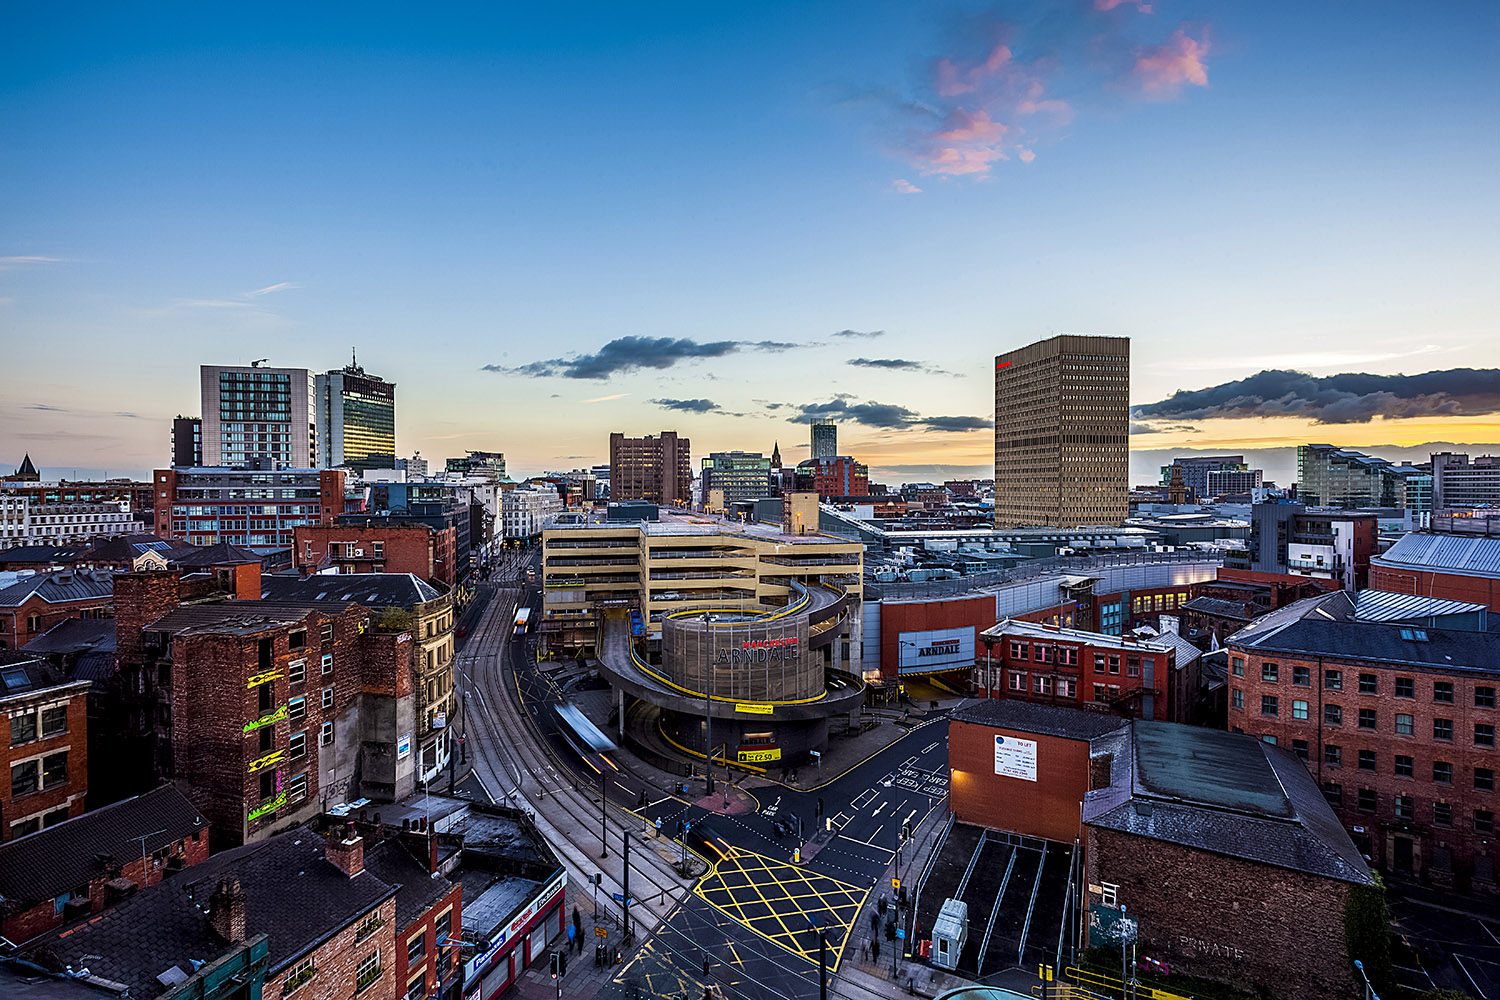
1218	607
1381	606
1186	651
42	553
75	635
1464	554
293	895
373	590
59	586
416	889
222	554
237	617
1048	720
46	864
26	676
126	548
1326	626
1231	794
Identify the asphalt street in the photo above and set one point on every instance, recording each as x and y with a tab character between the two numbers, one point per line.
753	921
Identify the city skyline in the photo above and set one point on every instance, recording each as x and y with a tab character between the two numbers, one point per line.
445	208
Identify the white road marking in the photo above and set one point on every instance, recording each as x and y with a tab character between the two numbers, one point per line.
908	817
1458	960
878	810
866	843
931	746
1487	930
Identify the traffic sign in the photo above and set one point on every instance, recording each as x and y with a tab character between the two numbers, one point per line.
620	898
600	932
895	883
900	933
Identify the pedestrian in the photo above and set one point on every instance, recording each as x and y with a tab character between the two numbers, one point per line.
874	921
572	937
875	950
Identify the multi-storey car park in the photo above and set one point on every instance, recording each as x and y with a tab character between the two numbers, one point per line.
767	620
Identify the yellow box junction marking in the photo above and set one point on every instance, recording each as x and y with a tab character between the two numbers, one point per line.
775	900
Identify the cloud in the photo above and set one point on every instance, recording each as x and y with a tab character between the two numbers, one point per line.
898	364
280	286
1163	70
1350	398
19	261
904	186
1139	428
626	354
885	416
1140	5
604	399
688	405
859	333
213	303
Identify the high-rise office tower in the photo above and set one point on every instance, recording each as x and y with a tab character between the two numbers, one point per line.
187	442
356	416
258	413
825	440
655	469
1062	425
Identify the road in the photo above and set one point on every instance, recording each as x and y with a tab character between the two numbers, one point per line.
751	916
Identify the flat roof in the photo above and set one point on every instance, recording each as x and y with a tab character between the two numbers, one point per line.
676	523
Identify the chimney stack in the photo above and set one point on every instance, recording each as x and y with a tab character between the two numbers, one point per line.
226	910
346	850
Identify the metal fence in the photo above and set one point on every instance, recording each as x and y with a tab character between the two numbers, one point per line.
1031	570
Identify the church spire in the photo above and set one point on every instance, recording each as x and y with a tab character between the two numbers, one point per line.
776	455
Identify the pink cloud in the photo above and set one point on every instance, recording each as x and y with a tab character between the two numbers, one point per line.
1140	5
905	186
1163	70
970	126
959	160
1026	156
956	78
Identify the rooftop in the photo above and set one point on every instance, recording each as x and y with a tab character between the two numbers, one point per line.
52	862
687	523
1037	630
416	888
373	590
239	617
1462	554
59	586
75	635
1047	720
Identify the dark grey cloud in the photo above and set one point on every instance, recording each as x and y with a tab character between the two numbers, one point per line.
1350	398
898	364
626	354
859	333
886	416
688	405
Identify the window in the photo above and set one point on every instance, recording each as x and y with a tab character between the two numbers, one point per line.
378	550
54	720
265	694
1367	800
1114	663
1442	772
1238	666
267	738
1269	704
296	708
1442	814
1368	684
297	638
327	663
327	631
1268	738
1334	793
1484	734
1132	666
1367	718
1367	760
1299	710
1018	650
1405	807
325	736
296	788
1238	698
1484	821
1404	767
367	973
1442	729
327	699
1333	680
22	827
23	778
1442	691
296	672
301	974
1299	747
1270	673
416	948
22	728
33	623
367	926
1333	756
1109	894
297	745
1405	687
1044	654
1333	715
1484	779
1018	682
1099	695
1302	676
1414	634
1043	684
1484	697
417	988
55	769
267	784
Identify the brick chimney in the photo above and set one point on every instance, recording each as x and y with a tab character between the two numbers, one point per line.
226	910
346	849
140	599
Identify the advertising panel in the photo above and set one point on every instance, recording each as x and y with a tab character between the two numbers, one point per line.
938	649
1015	758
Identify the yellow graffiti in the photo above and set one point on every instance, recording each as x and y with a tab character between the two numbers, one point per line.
271	806
260	679
266	761
266	720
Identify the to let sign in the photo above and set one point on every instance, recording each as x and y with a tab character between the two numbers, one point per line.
1015	758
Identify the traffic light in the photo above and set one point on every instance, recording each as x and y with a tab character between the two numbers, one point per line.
559	964
820	805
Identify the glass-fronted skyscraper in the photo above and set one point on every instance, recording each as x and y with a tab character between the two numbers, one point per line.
255	413
356	417
825	440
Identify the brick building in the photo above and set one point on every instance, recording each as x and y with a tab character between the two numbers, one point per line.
353	547
1237	597
429	913
34	604
1043	663
330	923
45	753
240	506
834	476
654	469
1456	567
266	711
75	869
1390	700
1208	838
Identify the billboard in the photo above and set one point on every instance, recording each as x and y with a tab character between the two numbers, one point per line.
1015	758
938	649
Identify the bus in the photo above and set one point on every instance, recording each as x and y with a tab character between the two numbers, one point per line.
523	617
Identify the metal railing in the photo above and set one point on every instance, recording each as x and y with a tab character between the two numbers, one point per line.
1031	570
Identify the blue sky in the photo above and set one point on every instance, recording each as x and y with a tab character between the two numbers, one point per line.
1235	186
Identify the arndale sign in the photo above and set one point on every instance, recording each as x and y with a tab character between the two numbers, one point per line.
938	649
761	651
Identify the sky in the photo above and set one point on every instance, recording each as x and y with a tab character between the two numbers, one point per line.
549	222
